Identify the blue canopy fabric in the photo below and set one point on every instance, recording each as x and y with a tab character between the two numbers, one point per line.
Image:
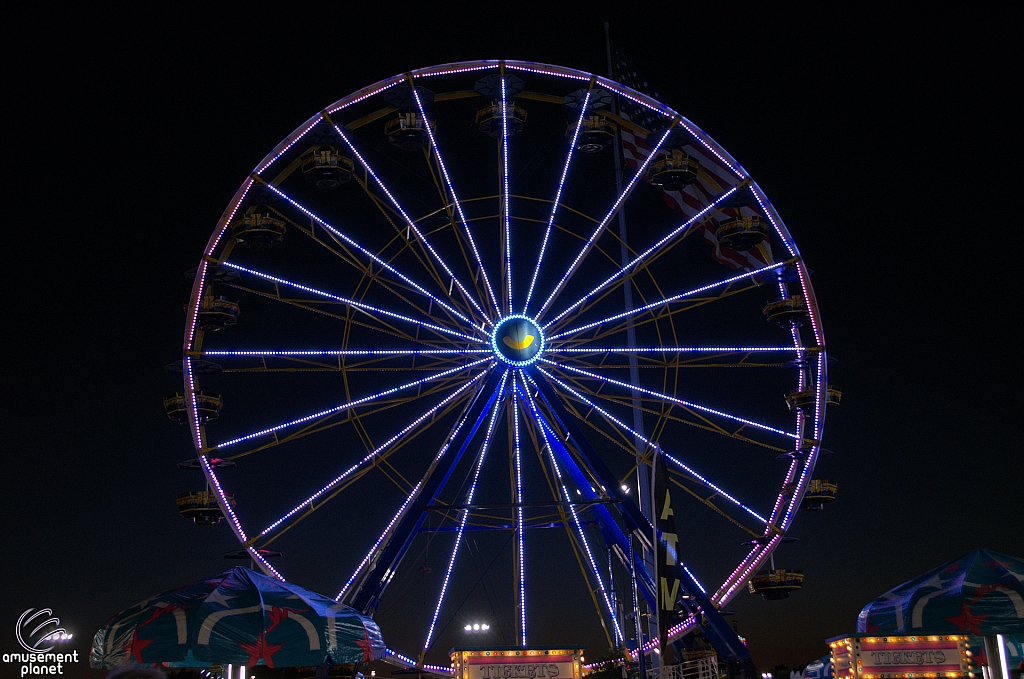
239	617
981	593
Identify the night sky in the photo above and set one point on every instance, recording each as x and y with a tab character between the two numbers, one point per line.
882	139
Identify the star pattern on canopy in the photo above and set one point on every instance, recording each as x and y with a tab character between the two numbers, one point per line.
135	645
967	620
365	644
261	650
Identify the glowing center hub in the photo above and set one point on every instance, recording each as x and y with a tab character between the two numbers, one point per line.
518	340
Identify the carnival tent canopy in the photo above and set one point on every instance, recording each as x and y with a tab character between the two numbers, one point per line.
981	593
239	617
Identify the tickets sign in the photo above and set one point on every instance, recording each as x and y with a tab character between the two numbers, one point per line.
517	663
900	657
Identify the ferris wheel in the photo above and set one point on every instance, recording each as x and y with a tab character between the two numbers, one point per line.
439	332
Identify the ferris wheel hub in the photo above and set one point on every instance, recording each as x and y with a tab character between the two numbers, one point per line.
518	340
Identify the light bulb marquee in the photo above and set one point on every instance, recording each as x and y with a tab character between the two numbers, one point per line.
929	656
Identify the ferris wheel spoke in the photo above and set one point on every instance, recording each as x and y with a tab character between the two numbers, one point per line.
558	197
378	453
682	357
412	496
381	361
410	224
672	399
551	439
345	406
520	560
640	437
667	301
366	252
676	234
456	202
601	227
369	310
465	512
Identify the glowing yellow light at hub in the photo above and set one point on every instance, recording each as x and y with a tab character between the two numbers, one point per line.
518	346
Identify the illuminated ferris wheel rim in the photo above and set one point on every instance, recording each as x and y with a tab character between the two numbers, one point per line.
501	360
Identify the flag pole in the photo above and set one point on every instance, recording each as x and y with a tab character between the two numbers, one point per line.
643	478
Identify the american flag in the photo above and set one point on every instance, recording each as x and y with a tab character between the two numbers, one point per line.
715	175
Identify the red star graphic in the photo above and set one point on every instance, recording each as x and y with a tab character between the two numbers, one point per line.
953	568
871	629
135	645
967	620
364	644
261	651
279	613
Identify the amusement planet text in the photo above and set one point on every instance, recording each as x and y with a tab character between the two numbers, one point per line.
41	663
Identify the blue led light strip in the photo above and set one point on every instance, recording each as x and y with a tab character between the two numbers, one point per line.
350	404
366	308
667	300
545	429
455	200
604	222
412	496
633	432
380	262
465	512
682	227
409	222
672	399
519	521
558	197
504	189
371	456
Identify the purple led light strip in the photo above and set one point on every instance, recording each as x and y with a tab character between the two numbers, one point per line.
558	197
408	220
367	95
465	512
672	399
412	495
667	300
545	429
665	350
373	453
350	404
455	199
504	189
600	227
682	227
419	288
519	519
365	308
633	432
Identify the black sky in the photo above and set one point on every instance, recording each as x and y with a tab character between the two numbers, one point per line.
883	139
